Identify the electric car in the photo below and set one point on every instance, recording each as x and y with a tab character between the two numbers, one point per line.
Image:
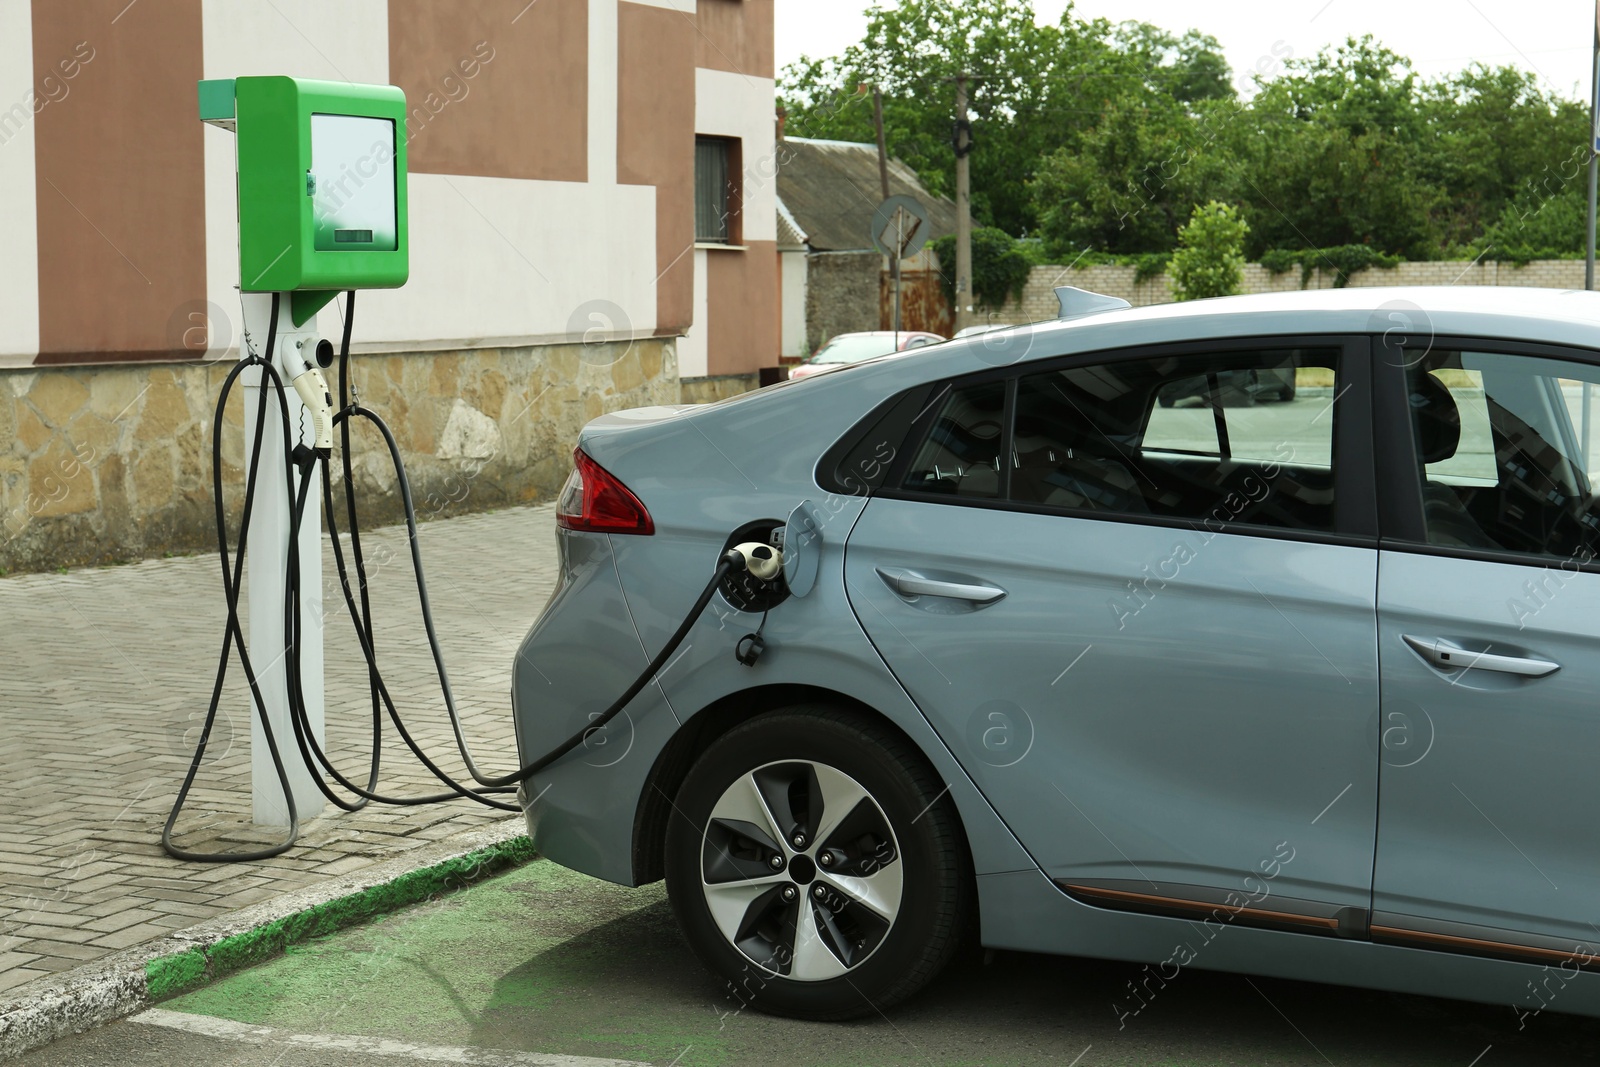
1306	690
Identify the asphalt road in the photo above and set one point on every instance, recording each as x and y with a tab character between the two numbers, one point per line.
541	965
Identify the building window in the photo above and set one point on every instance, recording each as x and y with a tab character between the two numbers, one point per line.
716	192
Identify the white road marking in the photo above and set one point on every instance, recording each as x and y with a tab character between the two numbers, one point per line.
228	1030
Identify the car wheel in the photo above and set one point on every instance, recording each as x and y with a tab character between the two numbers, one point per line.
816	865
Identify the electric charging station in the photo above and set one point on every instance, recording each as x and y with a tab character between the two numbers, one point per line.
322	209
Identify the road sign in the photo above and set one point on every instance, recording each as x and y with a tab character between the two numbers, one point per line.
900	227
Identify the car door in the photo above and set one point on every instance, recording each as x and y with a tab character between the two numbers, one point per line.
1489	647
1148	631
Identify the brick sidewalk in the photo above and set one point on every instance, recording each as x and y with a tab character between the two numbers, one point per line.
106	675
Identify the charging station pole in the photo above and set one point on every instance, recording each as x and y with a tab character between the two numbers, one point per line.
321	179
266	582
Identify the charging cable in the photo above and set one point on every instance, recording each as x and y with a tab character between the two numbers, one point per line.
762	561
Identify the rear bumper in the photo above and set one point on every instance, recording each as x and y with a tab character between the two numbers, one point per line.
578	658
581	811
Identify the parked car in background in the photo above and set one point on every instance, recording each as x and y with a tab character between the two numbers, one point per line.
846	348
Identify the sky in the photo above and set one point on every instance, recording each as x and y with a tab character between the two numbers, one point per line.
1551	38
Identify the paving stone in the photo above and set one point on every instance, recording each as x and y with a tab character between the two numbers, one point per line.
59	950
20	976
131	936
130	672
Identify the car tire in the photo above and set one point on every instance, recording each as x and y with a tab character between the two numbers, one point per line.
809	941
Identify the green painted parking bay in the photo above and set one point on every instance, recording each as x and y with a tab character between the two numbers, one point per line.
540	959
545	961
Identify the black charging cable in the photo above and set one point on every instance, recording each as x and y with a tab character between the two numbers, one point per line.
231	589
306	461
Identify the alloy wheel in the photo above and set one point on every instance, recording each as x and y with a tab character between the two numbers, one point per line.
801	870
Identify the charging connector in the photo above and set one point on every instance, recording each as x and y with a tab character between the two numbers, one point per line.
312	387
760	560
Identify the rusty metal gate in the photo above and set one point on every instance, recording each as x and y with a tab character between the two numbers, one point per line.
922	303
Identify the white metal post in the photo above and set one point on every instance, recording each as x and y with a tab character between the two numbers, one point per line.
266	568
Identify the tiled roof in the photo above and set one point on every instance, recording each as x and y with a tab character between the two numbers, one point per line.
831	189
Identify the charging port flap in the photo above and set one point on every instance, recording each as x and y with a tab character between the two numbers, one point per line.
802	548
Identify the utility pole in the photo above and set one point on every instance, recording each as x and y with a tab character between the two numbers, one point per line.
883	150
963	148
1594	145
883	179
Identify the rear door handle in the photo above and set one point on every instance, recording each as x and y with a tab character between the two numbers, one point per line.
910	584
1448	654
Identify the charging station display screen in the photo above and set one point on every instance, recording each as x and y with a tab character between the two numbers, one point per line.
351	183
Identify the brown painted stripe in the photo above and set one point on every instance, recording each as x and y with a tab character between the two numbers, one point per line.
1481	946
655	143
741	326
1178	903
120	179
735	36
494	89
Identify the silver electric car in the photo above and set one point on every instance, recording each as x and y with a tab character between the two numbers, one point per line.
1308	689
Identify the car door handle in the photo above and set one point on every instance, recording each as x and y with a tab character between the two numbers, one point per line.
909	584
1448	654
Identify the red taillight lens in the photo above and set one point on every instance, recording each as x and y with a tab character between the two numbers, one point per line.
593	499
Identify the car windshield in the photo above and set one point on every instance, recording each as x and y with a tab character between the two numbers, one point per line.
854	349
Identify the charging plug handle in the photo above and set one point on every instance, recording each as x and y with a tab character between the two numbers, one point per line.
762	561
312	387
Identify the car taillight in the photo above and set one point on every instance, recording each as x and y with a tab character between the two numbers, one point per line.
594	500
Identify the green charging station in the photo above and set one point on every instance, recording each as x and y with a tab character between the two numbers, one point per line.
321	182
322	185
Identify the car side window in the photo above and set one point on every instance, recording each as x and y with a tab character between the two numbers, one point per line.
1216	438
1504	452
960	456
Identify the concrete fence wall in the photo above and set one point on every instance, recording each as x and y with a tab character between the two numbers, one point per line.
1039	300
102	464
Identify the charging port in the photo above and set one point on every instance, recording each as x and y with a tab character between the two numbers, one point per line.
743	590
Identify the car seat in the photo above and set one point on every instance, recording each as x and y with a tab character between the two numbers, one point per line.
1437	419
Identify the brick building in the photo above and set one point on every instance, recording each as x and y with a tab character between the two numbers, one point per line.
592	218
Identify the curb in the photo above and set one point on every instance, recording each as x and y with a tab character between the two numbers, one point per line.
123	983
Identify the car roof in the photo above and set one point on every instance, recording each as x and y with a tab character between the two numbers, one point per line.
1553	316
1449	308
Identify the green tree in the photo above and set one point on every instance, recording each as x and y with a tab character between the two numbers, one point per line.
1187	68
1130	182
1495	138
911	52
1000	267
1539	227
1102	138
1037	89
1210	256
1330	155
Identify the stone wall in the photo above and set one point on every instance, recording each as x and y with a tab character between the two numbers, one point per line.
101	464
841	294
1039	300
717	387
